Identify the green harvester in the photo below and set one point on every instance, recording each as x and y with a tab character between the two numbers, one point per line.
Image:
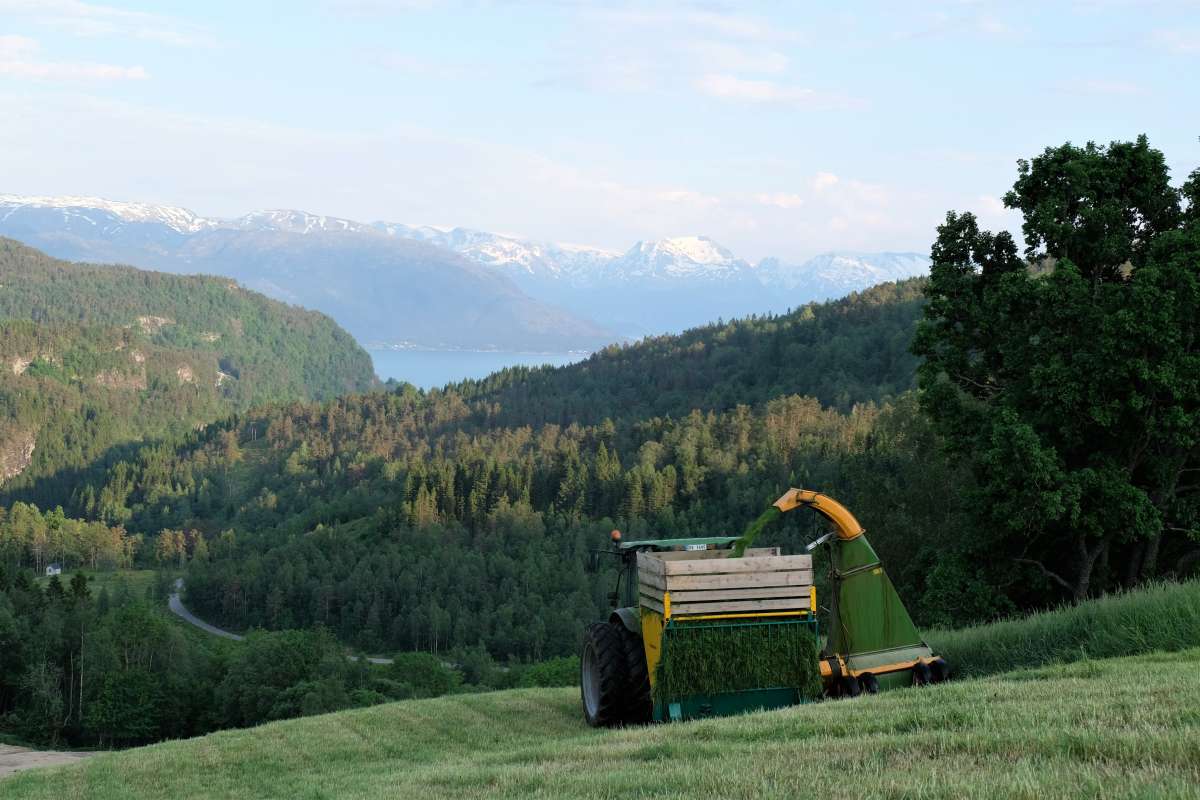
712	626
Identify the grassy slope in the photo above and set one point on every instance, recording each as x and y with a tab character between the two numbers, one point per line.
1125	727
1164	616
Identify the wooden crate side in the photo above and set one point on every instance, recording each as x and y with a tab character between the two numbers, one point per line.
648	564
647	590
652	603
650	579
736	606
735	565
803	577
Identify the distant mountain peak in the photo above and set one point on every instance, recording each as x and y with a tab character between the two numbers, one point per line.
699	249
680	257
178	219
293	221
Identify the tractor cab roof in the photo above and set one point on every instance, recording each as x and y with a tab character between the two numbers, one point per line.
699	543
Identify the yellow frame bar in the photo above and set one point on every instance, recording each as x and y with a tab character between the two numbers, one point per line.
749	616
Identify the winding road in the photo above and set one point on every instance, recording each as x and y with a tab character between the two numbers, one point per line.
180	610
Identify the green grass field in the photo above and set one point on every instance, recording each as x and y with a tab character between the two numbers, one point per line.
136	581
1127	727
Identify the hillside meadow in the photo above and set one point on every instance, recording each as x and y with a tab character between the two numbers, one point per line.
1127	727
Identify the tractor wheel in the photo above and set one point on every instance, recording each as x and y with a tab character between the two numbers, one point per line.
870	684
640	708
922	675
939	670
603	675
850	686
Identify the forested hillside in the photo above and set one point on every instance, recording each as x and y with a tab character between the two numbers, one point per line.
842	352
442	520
95	357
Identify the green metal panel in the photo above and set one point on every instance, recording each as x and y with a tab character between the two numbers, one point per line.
867	616
629	617
725	704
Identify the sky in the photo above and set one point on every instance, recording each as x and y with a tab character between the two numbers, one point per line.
777	128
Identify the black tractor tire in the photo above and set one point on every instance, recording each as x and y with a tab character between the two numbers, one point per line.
604	675
870	684
850	686
640	708
922	675
939	670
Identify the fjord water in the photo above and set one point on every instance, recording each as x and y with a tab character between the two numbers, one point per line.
430	369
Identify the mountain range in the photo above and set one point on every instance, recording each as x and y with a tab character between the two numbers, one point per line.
404	285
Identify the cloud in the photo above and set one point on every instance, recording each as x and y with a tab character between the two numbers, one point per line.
780	200
688	198
91	20
938	24
19	58
683	18
427	68
676	47
1186	42
823	180
747	90
1102	88
993	213
725	56
991	205
378	7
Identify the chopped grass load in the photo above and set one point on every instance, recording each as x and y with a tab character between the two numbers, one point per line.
704	658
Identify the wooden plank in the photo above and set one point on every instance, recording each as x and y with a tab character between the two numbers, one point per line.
738	606
744	580
757	593
651	603
650	579
653	562
734	565
650	591
737	593
648	564
801	577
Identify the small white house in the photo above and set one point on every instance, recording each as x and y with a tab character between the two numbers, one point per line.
53	569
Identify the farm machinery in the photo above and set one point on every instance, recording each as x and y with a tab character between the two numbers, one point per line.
713	626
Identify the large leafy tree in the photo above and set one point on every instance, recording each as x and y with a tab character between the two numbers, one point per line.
1068	377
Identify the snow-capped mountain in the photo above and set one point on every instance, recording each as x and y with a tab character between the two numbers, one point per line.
681	258
654	287
842	272
289	221
98	212
531	259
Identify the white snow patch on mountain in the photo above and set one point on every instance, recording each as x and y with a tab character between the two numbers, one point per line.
178	219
